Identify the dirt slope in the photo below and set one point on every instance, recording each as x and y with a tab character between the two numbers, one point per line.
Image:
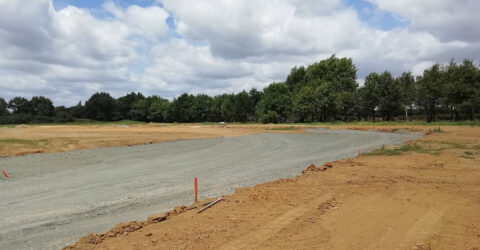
427	198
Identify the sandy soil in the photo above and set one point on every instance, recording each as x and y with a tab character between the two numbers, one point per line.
419	200
25	139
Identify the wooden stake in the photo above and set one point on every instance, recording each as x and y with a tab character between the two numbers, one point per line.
196	189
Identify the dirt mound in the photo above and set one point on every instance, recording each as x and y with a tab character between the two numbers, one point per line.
313	168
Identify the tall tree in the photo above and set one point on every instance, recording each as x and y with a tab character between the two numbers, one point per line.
101	107
126	103
305	104
241	106
296	79
202	108
3	107
20	105
255	96
406	83
276	105
388	95
369	95
42	106
430	90
159	110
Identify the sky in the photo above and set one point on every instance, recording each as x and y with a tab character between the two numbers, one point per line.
69	49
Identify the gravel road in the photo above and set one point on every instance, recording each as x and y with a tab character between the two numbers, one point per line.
53	199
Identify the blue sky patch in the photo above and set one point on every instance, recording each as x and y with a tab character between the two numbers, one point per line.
375	17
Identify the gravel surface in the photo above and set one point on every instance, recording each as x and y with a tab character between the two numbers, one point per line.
53	199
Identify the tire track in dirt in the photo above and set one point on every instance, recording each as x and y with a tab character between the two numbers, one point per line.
259	236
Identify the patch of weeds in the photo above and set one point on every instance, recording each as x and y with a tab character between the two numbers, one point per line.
468	155
453	145
25	142
437	130
405	130
434	130
399	151
282	128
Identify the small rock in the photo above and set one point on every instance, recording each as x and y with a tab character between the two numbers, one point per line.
157	218
148	234
125	233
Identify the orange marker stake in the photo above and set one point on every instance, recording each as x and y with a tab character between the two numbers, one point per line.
359	152
196	189
5	173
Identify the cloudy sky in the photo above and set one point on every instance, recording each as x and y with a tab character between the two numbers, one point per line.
70	49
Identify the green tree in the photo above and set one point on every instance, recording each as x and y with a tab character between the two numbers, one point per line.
126	103
3	107
20	105
42	106
276	105
241	106
406	83
327	100
159	110
462	88
296	79
388	95
305	104
347	102
181	107
335	81
369	95
202	108
101	107
430	90
78	111
255	96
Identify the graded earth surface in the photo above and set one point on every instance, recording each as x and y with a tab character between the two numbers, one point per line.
50	200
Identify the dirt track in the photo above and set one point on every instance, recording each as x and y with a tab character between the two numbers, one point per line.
52	199
425	199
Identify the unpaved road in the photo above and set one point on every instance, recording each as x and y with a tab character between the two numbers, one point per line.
426	197
52	199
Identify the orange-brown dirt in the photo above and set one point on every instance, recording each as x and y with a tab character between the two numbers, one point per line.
26	139
423	199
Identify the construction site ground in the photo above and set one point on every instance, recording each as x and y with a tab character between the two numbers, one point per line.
424	198
425	195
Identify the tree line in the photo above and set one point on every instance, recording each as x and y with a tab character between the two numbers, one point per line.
324	91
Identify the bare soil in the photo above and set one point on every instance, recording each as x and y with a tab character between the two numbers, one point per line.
427	198
24	139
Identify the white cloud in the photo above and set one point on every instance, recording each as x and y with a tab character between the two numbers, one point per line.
223	45
446	19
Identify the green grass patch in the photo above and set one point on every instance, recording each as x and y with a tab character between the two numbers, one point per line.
8	125
452	145
399	151
25	142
